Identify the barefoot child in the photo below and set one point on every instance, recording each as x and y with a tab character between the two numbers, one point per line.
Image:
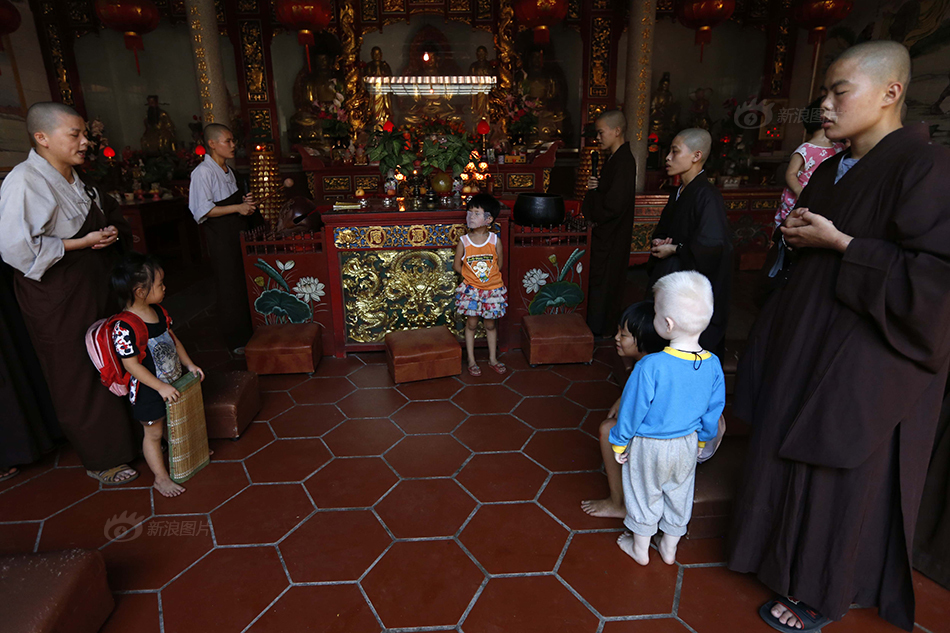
635	339
669	409
153	364
479	258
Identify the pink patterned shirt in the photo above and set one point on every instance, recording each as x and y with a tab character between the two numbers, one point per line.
814	155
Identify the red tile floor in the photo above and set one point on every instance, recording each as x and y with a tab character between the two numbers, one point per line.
354	505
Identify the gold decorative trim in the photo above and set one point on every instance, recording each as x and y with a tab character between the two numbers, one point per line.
483	10
247	6
356	100
392	6
398	236
56	54
736	205
260	120
594	110
367	182
599	58
547	179
640	238
252	54
573	10
764	205
644	63
369	11
312	184
460	6
336	183
520	181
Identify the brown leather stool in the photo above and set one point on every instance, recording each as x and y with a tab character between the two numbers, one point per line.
556	338
423	354
232	399
54	592
291	348
717	484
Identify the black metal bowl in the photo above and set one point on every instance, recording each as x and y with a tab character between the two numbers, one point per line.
539	209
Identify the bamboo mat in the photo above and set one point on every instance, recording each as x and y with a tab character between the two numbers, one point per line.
187	433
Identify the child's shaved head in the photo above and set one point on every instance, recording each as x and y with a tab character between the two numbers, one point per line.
883	61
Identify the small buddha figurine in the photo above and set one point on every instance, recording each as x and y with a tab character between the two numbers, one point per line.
309	88
431	106
382	103
541	85
483	68
159	136
662	114
699	111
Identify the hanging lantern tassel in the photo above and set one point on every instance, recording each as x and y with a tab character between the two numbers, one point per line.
133	42
703	37
305	39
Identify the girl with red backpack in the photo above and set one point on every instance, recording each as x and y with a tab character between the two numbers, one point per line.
150	353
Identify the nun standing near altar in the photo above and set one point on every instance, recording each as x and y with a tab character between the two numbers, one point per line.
62	238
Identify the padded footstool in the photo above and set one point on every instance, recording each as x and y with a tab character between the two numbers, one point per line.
292	348
556	338
54	592
423	354
232	399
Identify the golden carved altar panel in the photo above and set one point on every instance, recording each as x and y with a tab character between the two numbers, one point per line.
398	236
599	58
387	290
336	183
252	53
520	181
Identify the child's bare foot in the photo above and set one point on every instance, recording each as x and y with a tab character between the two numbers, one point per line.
667	548
603	508
635	546
168	488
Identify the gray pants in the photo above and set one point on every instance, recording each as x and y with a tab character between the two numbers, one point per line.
658	484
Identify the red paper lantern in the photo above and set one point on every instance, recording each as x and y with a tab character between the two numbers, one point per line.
388	126
9	19
132	17
108	152
540	15
703	15
200	150
305	17
483	127
818	15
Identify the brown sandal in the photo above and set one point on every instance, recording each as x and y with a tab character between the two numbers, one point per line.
108	477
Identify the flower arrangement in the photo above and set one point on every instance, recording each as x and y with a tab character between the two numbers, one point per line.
436	144
522	114
333	118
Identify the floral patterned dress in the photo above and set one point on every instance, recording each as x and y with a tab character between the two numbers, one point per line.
814	155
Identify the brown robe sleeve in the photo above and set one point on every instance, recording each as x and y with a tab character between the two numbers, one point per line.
617	192
901	283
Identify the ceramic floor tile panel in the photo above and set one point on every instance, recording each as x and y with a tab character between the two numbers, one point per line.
356	506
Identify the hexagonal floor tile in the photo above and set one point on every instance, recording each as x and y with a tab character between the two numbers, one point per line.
578	372
281	382
356	482
478	399
437	389
864	620
550	413
594	395
537	383
711	595
488	433
158	553
514	538
45	494
365	437
372	377
565	450
502	477
429	417
536	604
618	577
276	510
133	613
652	625
218	482
307	420
232	586
427	456
287	460
701	551
255	436
337	609
372	403
86	524
444	580
932	607
273	404
322	390
18	538
425	508
330	366
516	361
334	546
563	494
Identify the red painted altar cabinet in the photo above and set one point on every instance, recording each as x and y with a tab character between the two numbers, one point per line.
374	270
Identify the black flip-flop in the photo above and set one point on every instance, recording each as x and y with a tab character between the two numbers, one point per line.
811	620
14	471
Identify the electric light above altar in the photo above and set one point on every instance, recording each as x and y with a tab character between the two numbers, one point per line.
425	85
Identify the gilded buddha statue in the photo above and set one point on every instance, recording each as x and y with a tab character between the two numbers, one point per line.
663	116
309	88
431	106
483	68
159	136
381	103
542	85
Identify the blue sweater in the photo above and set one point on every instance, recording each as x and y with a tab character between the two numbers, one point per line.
671	394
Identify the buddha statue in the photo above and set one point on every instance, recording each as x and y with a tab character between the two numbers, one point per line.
382	103
309	88
663	116
541	85
159	136
431	106
481	67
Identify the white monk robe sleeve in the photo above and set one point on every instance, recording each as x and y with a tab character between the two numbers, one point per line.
27	207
